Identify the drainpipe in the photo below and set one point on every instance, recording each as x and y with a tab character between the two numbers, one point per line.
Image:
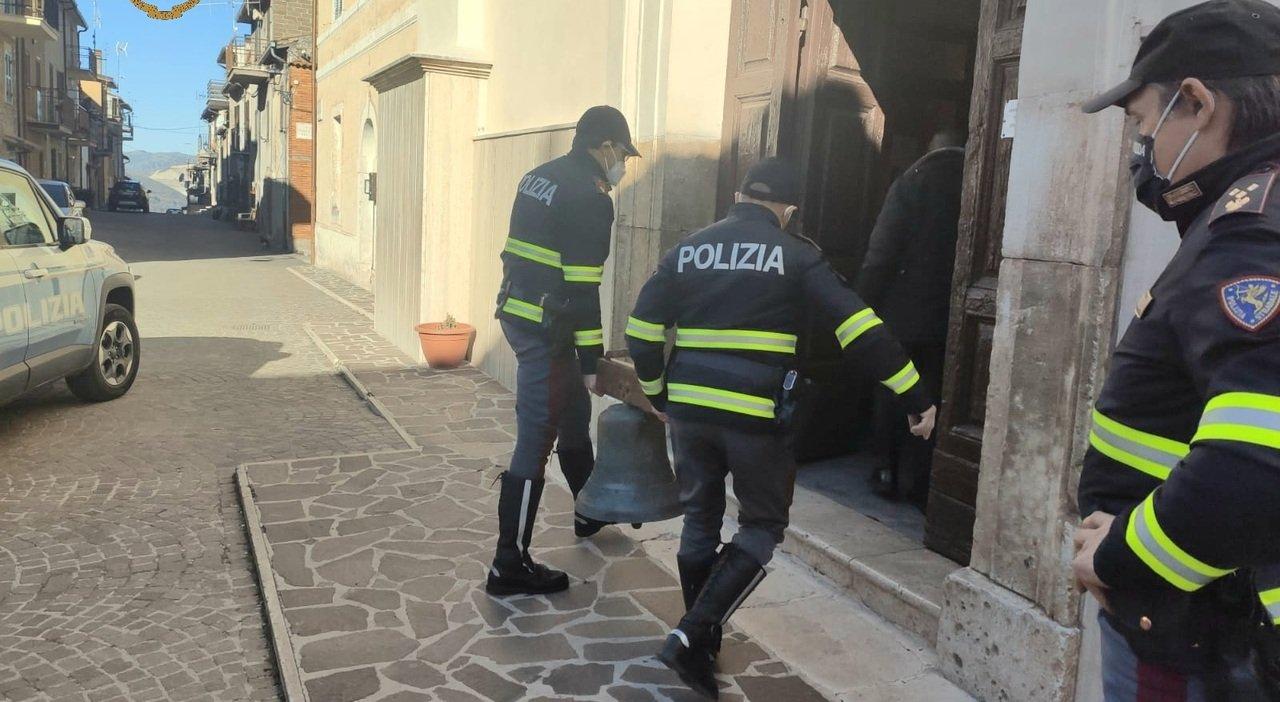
283	75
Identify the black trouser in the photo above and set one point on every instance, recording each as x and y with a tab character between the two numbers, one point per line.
764	477
552	403
909	459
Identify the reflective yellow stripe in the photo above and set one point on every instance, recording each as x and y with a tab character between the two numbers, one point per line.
856	325
716	398
520	308
533	252
1154	455
653	387
1149	542
1271	600
1246	417
904	380
589	337
645	331
737	339
583	274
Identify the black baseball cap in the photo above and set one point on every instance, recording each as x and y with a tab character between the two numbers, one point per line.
602	123
773	180
1218	39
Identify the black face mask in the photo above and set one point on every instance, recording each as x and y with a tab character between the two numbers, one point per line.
1148	184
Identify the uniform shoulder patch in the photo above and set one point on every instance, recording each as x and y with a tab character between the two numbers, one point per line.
1251	302
1247	196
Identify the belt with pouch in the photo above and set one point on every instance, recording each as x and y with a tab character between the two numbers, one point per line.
548	310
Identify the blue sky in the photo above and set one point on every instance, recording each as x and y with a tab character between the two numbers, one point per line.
167	64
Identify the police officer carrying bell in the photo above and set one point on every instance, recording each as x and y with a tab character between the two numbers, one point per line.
736	294
549	308
1182	479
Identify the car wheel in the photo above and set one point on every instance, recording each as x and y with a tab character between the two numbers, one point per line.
115	363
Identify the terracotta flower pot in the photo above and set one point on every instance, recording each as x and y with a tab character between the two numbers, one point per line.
445	347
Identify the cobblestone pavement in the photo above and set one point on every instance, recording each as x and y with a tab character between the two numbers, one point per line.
124	572
340	287
379	560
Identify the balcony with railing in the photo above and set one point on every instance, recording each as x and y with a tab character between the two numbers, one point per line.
49	108
25	19
215	99
243	57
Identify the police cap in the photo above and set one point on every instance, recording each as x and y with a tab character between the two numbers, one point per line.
1218	39
773	180
605	123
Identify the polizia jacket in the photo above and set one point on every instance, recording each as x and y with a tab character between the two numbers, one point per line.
734	296
554	257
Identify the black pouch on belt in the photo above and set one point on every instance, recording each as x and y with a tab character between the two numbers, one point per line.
556	319
504	293
791	400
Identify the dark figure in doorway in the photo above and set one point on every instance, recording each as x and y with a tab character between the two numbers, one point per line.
906	278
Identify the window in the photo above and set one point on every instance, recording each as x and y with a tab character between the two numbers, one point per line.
336	165
23	220
337	9
10	89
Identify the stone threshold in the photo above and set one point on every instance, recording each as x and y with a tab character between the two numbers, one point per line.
894	576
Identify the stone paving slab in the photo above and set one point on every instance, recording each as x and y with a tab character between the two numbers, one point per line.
379	561
334	285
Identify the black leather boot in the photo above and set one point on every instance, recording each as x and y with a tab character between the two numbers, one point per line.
693	575
513	571
689	649
577	465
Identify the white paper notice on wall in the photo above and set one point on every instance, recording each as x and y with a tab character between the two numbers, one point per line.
1010	120
303	130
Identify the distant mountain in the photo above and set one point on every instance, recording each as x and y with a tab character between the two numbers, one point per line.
144	163
158	172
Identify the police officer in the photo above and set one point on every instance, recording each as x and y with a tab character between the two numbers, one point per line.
1182	479
549	307
736	294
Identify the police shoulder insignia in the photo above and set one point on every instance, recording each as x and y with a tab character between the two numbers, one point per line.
1251	302
1247	196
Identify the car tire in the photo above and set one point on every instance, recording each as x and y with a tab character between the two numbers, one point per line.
116	359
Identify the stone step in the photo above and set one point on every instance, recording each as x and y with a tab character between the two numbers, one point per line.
894	576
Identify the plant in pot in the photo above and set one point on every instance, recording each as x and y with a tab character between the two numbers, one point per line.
445	344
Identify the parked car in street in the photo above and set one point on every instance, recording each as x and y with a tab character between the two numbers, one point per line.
66	302
128	193
173	210
63	197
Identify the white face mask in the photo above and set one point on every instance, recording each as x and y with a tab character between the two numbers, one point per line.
617	170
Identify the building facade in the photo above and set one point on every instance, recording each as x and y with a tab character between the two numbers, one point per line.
261	121
60	116
429	111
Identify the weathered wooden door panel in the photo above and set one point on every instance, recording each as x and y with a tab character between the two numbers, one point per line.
759	86
955	469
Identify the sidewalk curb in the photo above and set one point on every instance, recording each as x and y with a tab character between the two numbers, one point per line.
277	629
330	293
361	389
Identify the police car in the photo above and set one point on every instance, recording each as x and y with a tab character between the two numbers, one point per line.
66	303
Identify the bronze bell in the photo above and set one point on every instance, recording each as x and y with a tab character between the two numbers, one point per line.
633	481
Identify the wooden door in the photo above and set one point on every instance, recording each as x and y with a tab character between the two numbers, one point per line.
953	492
764	40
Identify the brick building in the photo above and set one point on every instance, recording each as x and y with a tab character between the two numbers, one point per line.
261	124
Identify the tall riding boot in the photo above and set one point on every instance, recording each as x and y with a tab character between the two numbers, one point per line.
577	465
694	571
689	649
513	571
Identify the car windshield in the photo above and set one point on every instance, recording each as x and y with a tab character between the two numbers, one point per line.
130	187
58	192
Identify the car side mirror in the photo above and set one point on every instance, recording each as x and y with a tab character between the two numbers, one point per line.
73	231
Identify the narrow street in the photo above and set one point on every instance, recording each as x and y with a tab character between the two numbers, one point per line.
123	565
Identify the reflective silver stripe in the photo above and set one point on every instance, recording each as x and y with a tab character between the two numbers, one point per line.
855	326
653	387
532	252
583	274
1271	600
591	337
1166	558
716	398
1149	453
904	380
1256	418
645	331
744	339
524	515
525	310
